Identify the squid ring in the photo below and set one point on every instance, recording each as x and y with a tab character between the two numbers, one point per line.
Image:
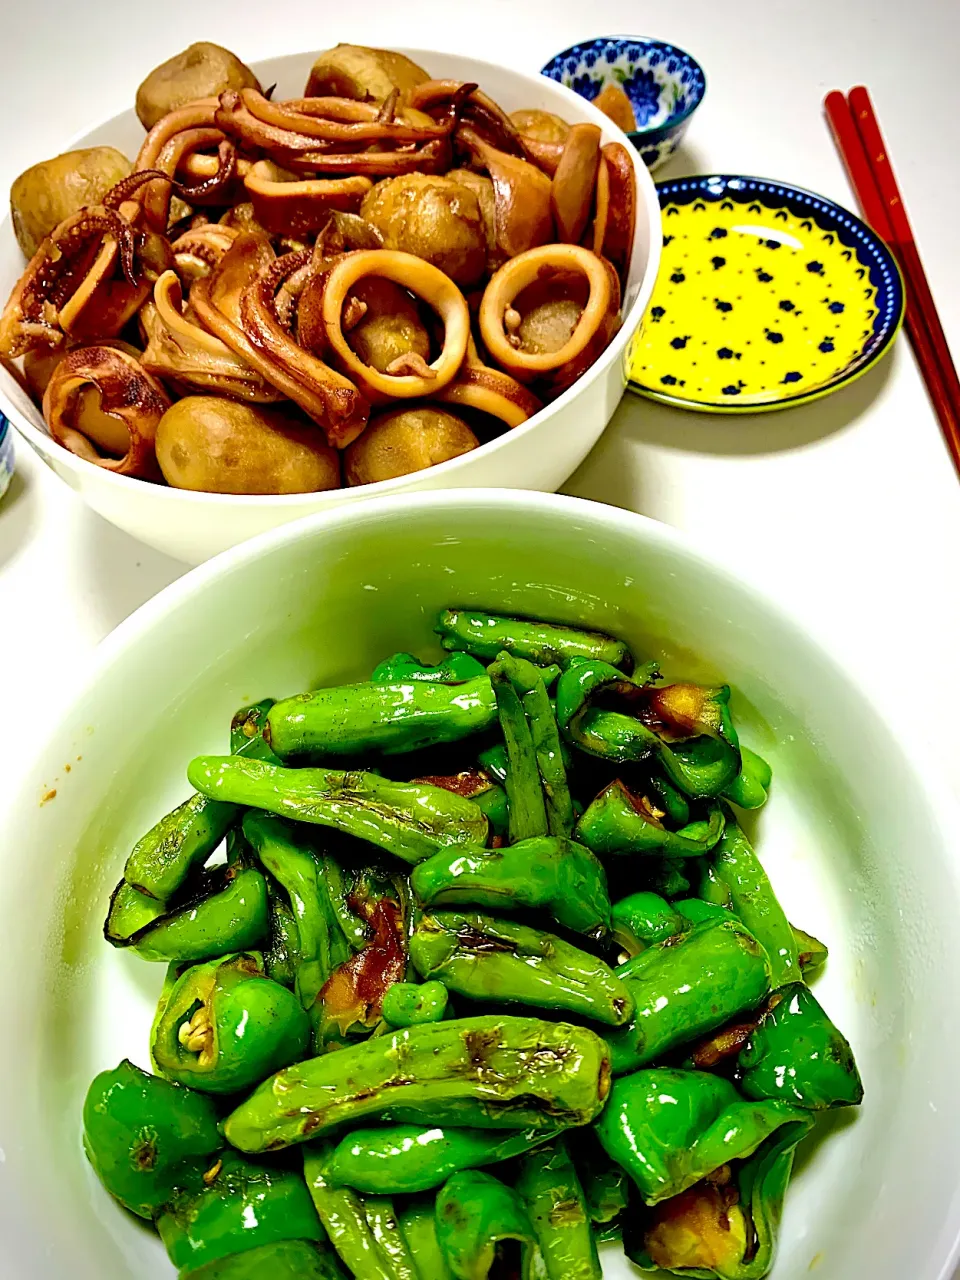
131	406
423	280
525	269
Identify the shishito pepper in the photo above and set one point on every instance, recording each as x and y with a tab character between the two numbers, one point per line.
418	1225
401	668
812	953
643	918
476	785
489	1072
749	788
548	1185
477	1218
686	987
485	958
736	879
725	1227
321	946
408	1004
283	1260
525	800
408	820
669	1129
605	1185
128	913
546	872
487	634
226	1025
243	1205
365	1231
797	1054
385	718
399	1158
620	822
147	1138
230	912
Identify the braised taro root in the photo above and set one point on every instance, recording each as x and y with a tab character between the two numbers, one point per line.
434	218
405	440
613	102
367	75
47	193
343	272
215	445
200	71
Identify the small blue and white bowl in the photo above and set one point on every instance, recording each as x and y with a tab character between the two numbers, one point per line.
6	455
665	86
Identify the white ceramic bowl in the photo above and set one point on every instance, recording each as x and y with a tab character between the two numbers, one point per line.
541	454
860	850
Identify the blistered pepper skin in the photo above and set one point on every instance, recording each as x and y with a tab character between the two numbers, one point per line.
411	821
546	872
644	918
497	960
237	918
400	1158
486	634
388	719
614	824
798	1055
284	1260
487	1072
475	1213
548	1185
146	1137
685	988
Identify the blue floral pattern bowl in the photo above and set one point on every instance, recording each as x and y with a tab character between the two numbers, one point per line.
665	86
6	454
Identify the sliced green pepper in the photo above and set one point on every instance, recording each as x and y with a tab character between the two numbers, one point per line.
738	880
529	683
619	822
797	1054
282	955
525	800
669	1129
686	987
398	1158
283	1260
490	1072
230	913
476	1217
128	913
364	1231
812	953
484	958
404	667
643	918
545	872
548	1185
487	634
408	1004
605	1185
225	1026
386	718
411	822
244	1205
749	788
147	1138
721	1229
418	1224
181	841
321	944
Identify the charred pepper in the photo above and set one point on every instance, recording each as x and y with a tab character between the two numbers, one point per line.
487	634
548	1185
477	1216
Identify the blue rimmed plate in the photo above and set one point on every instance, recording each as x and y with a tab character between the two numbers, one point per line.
768	296
6	455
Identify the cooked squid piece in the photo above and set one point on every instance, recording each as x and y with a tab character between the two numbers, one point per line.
410	376
202	70
543	126
405	440
528	333
521	194
383	324
197	251
288	206
47	193
183	352
102	405
571	196
616	208
478	386
214	445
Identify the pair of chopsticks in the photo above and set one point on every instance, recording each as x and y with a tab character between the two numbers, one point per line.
856	132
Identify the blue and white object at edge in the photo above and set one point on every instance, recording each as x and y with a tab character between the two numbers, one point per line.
6	455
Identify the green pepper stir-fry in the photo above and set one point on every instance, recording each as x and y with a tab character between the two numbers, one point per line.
470	967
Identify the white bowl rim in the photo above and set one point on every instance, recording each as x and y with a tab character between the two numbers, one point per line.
44	443
944	812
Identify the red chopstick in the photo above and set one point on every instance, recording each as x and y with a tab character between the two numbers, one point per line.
856	132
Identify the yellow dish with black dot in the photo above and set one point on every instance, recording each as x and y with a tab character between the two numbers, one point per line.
768	296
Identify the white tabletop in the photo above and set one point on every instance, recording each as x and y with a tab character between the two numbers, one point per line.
847	510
